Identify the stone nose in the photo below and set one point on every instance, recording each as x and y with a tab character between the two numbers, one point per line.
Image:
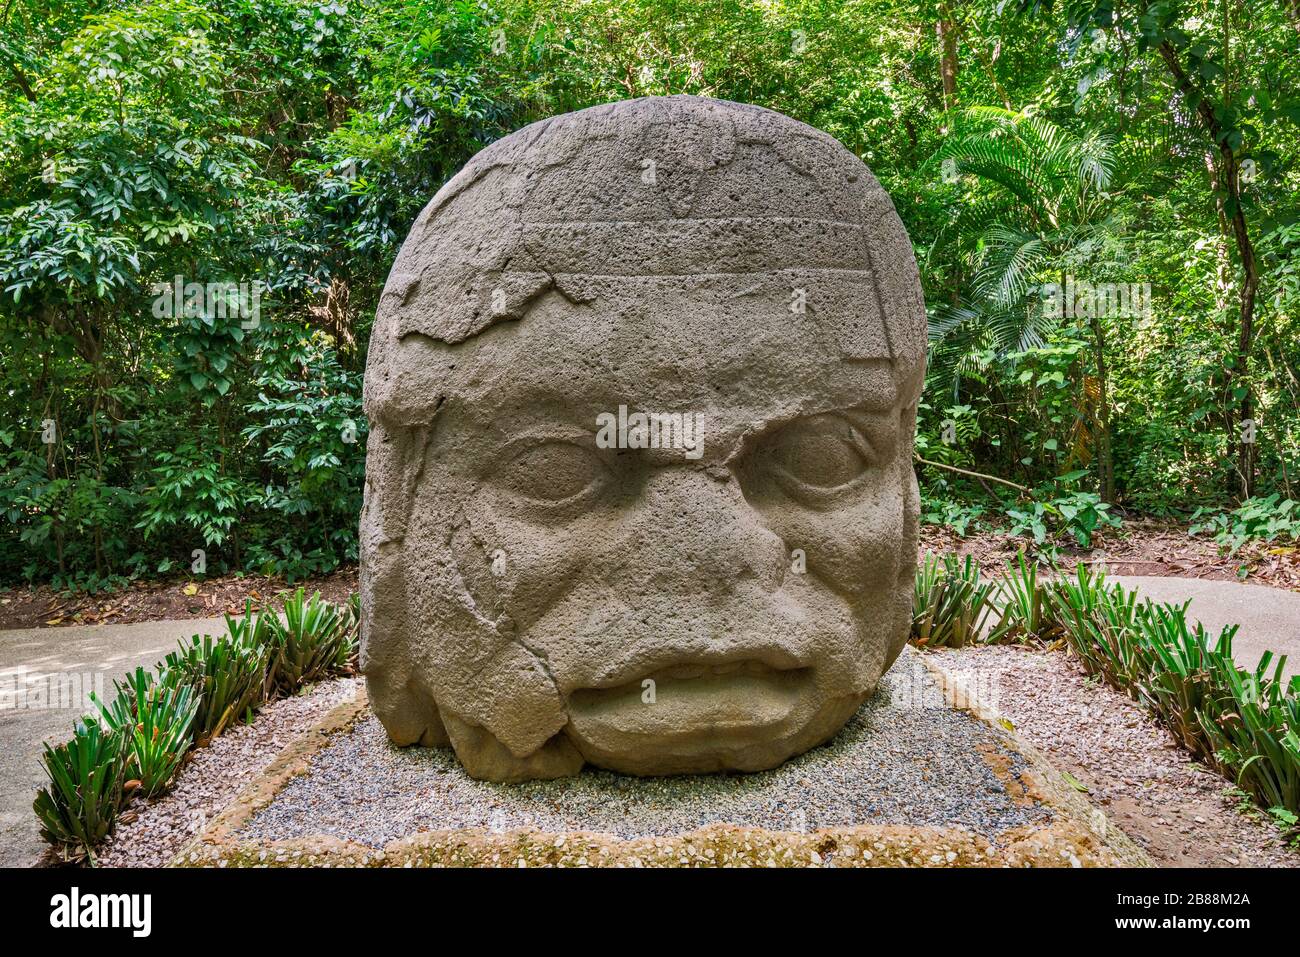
694	533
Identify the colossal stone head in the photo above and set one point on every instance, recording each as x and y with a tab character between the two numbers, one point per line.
642	390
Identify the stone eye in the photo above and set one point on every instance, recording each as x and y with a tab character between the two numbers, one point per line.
553	472
818	454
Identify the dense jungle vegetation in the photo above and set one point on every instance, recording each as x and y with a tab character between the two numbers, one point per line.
1101	195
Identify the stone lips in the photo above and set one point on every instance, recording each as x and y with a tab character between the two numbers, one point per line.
651	211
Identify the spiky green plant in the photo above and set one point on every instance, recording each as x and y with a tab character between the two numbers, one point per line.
950	603
228	674
316	640
1026	609
252	627
79	806
352	614
1245	724
1178	670
1255	732
197	691
1097	619
1083	592
155	722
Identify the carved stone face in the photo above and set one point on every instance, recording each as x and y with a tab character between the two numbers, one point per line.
539	596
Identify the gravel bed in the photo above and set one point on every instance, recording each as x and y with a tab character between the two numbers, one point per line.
1176	810
214	775
905	758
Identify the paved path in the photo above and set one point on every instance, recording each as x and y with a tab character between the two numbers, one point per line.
44	674
1269	617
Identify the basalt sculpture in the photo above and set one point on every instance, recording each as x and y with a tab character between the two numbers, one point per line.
642	390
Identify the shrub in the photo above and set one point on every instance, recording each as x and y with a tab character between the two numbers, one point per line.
227	673
1255	520
961	517
1026	609
1078	514
154	721
950	604
1082	513
79	806
316	640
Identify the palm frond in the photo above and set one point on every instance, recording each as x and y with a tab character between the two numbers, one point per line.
1009	265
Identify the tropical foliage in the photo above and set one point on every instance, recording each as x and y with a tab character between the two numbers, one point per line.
1102	199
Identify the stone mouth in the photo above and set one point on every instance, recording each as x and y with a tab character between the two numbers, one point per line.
690	670
698	677
688	698
762	662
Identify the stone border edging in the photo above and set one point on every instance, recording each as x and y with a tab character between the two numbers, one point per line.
1079	836
1047	783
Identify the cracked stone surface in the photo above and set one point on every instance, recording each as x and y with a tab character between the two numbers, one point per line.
719	581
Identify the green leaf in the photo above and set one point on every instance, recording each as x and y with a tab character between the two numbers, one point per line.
1074	782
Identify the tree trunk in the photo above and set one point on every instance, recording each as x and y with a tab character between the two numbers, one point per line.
1222	292
1238	365
946	30
1105	458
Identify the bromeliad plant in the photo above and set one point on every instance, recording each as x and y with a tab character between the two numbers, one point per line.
950	603
227	673
1097	619
1245	724
154	721
1179	672
251	628
1026	607
316	640
352	623
193	695
1255	735
79	806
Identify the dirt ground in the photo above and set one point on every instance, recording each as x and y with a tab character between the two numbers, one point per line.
40	607
1141	547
